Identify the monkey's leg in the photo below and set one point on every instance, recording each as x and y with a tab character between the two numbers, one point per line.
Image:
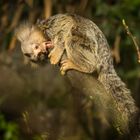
67	64
81	50
79	59
56	54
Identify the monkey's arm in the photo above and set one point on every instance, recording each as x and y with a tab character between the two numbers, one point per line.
58	50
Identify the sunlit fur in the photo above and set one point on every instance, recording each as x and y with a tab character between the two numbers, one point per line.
30	36
26	30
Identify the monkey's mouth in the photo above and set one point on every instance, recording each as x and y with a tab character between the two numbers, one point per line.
41	58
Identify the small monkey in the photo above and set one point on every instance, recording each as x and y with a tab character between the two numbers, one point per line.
85	45
86	50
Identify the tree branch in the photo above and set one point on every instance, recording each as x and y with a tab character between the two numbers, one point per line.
133	39
102	100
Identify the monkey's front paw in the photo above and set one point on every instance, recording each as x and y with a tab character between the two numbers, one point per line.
53	58
66	65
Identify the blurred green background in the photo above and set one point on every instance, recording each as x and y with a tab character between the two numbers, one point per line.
39	103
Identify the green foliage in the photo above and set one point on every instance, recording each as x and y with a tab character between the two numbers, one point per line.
9	130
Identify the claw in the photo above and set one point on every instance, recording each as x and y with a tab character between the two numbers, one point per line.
62	72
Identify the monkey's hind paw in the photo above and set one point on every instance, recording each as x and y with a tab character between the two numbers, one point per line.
66	65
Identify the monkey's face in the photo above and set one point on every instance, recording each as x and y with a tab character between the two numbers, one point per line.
33	42
35	51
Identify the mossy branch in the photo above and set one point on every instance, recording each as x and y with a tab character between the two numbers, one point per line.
102	100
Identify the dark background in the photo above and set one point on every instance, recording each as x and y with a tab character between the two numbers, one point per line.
37	103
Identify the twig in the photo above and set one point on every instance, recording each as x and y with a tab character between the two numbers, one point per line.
133	39
25	116
116	49
47	8
30	3
83	5
13	24
16	18
12	43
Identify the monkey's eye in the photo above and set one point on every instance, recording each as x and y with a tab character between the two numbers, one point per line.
36	47
27	54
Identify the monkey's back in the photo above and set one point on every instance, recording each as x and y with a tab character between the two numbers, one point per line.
82	35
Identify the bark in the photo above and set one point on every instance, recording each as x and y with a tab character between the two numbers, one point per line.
89	85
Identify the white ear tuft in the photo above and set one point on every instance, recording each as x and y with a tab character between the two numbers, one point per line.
23	31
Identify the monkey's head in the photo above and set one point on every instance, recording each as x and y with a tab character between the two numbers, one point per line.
33	42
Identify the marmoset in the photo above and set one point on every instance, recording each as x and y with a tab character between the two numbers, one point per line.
79	37
86	50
